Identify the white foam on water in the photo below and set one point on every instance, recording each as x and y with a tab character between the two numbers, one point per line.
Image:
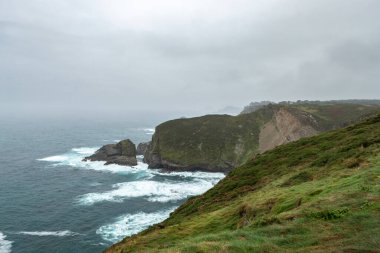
181	184
130	224
85	150
56	158
49	233
189	174
149	131
151	185
114	168
5	245
74	158
152	191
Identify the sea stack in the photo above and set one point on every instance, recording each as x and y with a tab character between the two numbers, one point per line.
121	153
142	147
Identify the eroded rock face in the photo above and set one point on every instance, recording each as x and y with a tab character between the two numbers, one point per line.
283	128
122	153
142	147
151	154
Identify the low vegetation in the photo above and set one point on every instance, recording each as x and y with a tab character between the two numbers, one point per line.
318	194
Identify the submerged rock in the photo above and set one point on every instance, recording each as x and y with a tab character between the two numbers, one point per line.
122	153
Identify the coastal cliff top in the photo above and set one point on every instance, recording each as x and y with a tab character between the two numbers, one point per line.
318	194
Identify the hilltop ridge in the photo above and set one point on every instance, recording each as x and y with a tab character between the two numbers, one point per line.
222	142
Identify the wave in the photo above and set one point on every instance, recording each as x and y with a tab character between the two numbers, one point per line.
191	174
74	158
49	233
5	245
55	158
152	191
149	185
149	131
85	150
170	186
130	224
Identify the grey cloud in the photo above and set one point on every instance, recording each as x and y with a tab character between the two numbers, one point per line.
67	57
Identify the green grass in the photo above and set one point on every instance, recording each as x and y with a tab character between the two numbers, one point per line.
319	194
214	141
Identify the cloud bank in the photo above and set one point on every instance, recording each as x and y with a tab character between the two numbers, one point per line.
193	57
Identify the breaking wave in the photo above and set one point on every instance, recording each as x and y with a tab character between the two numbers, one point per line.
74	158
149	131
49	233
149	185
130	224
5	245
153	191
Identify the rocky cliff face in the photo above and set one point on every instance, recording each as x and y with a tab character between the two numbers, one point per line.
122	153
222	142
141	148
209	143
284	127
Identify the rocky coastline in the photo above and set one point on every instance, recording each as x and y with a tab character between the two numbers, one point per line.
121	153
220	143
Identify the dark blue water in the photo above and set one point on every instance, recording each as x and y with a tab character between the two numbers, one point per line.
51	201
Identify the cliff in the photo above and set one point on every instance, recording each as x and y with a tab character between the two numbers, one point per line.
222	142
141	148
318	194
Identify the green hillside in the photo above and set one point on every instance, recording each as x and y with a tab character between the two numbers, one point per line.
223	142
212	142
318	194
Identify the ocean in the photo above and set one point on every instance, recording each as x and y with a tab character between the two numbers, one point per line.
52	201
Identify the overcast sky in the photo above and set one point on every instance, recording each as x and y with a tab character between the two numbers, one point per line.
77	57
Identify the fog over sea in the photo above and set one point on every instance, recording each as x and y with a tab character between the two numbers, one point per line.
52	201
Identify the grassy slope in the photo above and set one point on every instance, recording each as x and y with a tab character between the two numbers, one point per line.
333	116
319	194
222	141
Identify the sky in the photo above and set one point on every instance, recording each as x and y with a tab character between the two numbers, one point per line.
182	57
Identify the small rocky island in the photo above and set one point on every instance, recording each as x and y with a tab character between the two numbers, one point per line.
121	153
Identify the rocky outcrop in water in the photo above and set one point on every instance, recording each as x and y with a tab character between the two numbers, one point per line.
141	148
121	153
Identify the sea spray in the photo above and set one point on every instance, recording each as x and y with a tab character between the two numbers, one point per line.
153	191
130	224
5	245
49	233
148	185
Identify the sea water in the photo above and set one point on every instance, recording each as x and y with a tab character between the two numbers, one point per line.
52	201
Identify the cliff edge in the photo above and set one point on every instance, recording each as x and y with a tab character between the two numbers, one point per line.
222	142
